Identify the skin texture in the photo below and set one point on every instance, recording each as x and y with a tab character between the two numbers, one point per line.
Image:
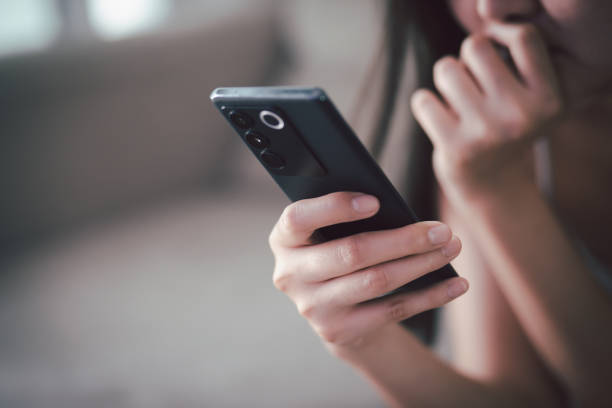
525	333
573	32
328	281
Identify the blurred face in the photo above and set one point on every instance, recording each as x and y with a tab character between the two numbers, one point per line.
578	33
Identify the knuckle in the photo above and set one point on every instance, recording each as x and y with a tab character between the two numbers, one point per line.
481	129
350	253
518	121
328	334
397	310
474	46
376	280
273	239
306	309
281	278
280	282
339	200
291	216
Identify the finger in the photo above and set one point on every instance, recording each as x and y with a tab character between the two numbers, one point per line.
342	256
488	68
300	219
433	116
368	317
458	88
405	305
528	51
381	279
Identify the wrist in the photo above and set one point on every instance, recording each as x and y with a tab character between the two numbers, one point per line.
487	181
372	346
510	196
509	192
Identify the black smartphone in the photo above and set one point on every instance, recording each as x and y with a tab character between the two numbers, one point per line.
309	150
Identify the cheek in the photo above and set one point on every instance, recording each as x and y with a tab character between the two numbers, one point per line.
584	27
581	28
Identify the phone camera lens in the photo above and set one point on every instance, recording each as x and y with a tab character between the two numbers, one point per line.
271	120
272	160
241	120
257	140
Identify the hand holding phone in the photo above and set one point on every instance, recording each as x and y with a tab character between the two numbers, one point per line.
342	286
372	261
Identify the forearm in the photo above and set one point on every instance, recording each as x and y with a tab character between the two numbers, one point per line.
408	374
562	309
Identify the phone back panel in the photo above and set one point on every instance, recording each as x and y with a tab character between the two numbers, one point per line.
345	164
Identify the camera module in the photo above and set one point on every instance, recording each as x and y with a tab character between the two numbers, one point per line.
242	120
257	140
271	120
272	160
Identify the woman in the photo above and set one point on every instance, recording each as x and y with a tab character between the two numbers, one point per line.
536	325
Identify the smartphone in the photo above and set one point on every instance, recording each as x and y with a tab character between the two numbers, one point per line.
309	150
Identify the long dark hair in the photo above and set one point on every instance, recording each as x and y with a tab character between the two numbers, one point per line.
420	31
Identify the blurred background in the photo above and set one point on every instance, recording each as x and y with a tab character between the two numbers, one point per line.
134	263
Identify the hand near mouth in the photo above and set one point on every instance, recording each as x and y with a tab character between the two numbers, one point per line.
487	115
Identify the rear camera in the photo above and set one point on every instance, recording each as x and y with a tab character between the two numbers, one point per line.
271	120
257	140
272	160
241	120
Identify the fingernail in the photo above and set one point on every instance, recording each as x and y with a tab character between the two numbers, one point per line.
457	288
439	234
365	203
452	248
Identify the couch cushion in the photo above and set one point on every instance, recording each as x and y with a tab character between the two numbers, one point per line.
92	130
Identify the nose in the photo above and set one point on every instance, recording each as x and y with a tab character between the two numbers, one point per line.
507	10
